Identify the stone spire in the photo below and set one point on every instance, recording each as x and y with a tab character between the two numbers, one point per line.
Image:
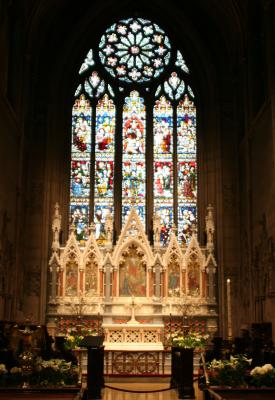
210	229
56	228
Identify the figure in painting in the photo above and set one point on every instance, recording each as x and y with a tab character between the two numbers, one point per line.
71	279
80	221
193	279
133	136
132	275
81	133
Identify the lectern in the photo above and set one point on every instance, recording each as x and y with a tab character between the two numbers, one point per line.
95	366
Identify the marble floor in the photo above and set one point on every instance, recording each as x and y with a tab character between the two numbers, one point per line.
110	394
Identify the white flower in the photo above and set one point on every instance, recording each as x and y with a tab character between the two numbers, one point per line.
15	370
261	370
267	367
3	369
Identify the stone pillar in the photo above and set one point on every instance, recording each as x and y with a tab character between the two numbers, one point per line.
211	271
108	270
156	270
54	282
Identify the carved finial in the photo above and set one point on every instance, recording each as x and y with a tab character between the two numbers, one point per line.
72	228
109	228
210	228
56	227
92	228
193	229
157	229
174	229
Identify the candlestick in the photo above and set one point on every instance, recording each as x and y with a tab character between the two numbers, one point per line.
229	315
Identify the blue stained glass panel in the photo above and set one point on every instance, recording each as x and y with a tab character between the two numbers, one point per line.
163	179
166	217
187	181
140	209
133	179
104	178
80	178
187	216
80	218
101	211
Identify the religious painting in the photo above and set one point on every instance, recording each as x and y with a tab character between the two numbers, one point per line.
187	180
81	124
71	279
80	219
163	128
163	179
133	142
132	273
186	138
80	178
104	178
166	220
105	126
101	211
133	157
193	278
133	184
91	273
186	219
173	279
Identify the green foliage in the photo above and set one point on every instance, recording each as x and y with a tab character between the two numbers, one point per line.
233	372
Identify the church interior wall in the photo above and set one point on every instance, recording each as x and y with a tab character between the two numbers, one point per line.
35	147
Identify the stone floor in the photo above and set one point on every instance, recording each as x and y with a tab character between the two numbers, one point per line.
110	394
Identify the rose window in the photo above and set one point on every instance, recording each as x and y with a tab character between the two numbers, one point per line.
134	50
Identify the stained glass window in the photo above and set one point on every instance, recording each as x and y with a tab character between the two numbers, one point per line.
80	166
187	168
134	50
133	160
127	150
104	165
163	165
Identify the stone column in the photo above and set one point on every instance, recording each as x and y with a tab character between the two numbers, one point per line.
108	270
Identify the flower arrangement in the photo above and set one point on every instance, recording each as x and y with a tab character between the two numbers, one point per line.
232	372
263	376
192	340
3	369
74	337
54	372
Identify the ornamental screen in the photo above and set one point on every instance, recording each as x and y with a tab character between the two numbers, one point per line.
134	134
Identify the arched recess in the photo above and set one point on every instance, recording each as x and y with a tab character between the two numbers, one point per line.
211	57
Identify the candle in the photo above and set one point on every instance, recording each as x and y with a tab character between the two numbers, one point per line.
229	315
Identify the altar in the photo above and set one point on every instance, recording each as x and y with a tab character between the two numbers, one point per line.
135	293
